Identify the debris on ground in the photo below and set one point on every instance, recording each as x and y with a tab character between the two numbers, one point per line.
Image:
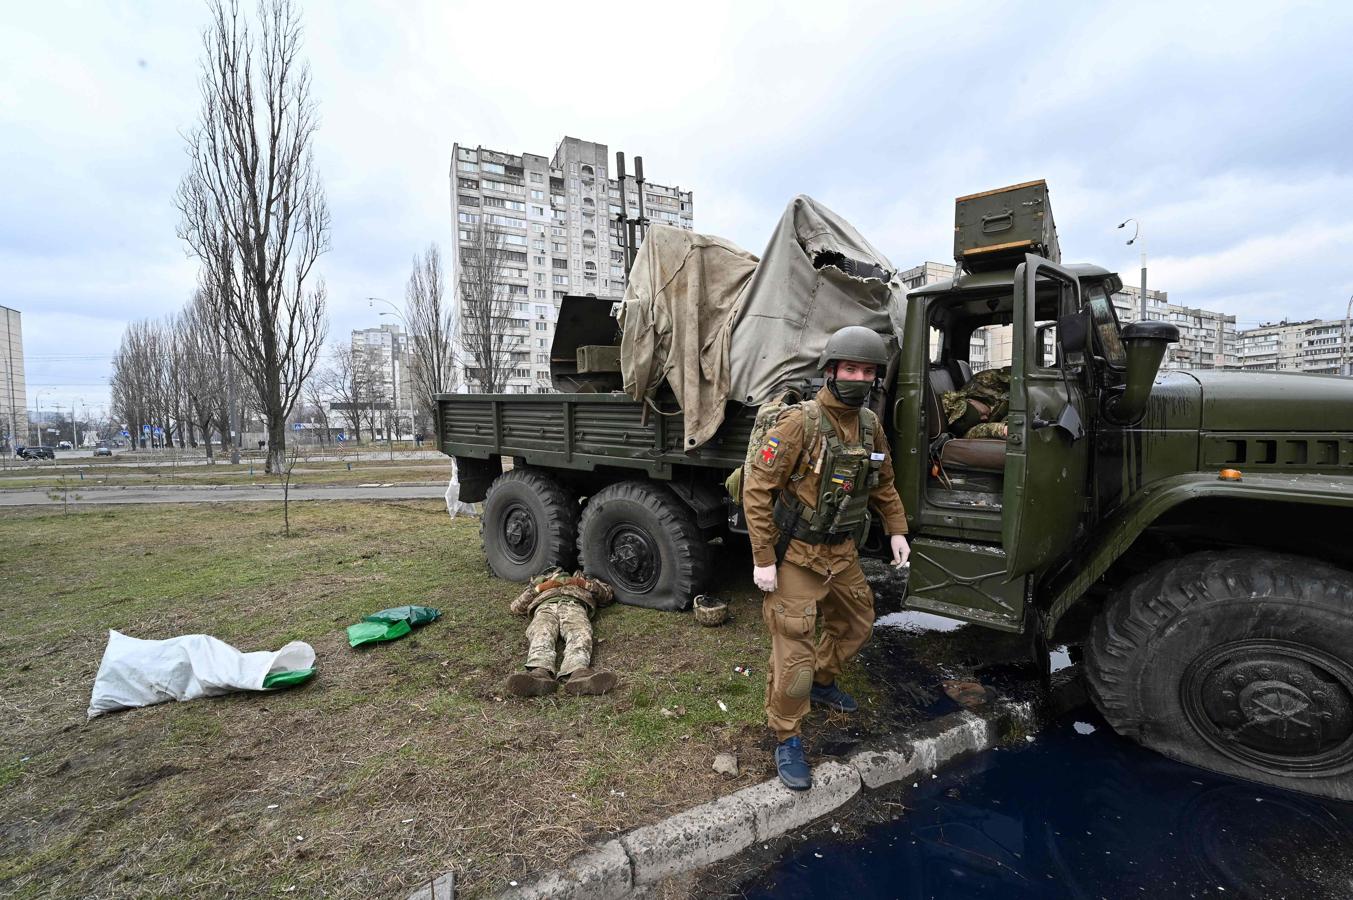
726	764
390	624
675	712
137	672
968	694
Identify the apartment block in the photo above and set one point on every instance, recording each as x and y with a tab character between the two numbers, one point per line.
385	356
1207	338
557	218
1318	346
13	384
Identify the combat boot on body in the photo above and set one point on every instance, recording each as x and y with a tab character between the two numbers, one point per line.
589	681
793	768
832	697
531	683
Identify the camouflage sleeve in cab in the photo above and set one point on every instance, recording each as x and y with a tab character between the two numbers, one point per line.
885	498
768	473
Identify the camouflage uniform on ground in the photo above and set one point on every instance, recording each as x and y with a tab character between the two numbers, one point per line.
978	409
560	606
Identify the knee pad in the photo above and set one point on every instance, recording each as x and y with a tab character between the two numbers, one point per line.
800	683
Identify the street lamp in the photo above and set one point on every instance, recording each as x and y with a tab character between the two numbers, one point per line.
1136	235
37	411
394	368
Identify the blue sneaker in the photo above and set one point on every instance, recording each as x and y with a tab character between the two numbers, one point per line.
832	697
793	768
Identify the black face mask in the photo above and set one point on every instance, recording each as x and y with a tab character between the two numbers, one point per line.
851	393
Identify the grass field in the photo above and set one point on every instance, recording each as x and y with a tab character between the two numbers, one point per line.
355	469
393	765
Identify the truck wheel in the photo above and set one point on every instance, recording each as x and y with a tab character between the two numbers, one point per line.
642	540
1239	662
530	523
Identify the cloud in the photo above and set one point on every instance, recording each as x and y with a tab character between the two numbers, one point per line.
1223	129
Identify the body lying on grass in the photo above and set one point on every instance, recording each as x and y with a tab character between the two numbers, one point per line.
560	606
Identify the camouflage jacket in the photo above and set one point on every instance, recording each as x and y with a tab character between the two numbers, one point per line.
985	398
556	584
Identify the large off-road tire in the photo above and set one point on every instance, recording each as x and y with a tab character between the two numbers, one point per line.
642	540
1240	662
530	524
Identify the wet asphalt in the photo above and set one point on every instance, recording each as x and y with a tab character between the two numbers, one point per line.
1076	812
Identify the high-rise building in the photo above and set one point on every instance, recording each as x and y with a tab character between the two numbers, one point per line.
1316	345
384	355
1207	338
556	217
13	384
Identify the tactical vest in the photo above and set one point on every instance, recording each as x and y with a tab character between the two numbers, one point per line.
848	472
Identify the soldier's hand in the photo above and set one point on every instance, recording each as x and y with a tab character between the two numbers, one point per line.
764	576
901	549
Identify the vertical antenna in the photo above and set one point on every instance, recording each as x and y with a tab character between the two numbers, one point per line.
623	217
639	182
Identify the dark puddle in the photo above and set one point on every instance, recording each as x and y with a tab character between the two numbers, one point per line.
1077	813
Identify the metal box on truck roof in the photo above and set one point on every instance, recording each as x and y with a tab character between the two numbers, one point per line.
994	229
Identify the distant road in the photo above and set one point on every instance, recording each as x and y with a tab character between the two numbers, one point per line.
99	496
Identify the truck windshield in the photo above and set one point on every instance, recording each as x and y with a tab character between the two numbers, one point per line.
1106	327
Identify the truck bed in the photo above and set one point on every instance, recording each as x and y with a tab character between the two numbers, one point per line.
585	431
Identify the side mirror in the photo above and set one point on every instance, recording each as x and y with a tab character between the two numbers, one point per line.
1145	343
1073	333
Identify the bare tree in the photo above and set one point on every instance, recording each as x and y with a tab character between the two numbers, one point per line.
486	308
352	384
433	323
253	208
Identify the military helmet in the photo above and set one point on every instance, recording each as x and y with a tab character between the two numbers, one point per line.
855	342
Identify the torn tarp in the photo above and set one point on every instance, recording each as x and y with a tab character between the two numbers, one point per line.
817	275
717	324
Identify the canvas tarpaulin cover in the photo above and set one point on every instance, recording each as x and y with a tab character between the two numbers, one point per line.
674	320
718	324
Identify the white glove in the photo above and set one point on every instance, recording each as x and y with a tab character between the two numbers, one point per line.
764	576
901	549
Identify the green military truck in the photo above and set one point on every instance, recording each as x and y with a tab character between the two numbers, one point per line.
1190	531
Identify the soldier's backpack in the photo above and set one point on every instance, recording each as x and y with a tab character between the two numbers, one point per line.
766	417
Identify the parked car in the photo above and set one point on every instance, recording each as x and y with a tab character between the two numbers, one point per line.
103	451
63	445
37	453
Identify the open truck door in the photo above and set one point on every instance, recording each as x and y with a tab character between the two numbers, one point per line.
1047	448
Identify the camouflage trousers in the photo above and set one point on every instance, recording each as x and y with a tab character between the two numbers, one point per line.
552	620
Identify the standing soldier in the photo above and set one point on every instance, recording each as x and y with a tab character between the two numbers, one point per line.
806	499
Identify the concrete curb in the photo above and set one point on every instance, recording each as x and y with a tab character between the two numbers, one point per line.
721	828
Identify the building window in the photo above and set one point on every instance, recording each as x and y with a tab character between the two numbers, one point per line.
538	245
468	184
558	247
537	195
467	167
537	178
495	168
465	153
539	293
542	326
561	279
468	218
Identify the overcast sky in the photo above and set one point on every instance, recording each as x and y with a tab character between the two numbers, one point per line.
1227	129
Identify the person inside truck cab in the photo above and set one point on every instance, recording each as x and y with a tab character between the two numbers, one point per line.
978	409
806	497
